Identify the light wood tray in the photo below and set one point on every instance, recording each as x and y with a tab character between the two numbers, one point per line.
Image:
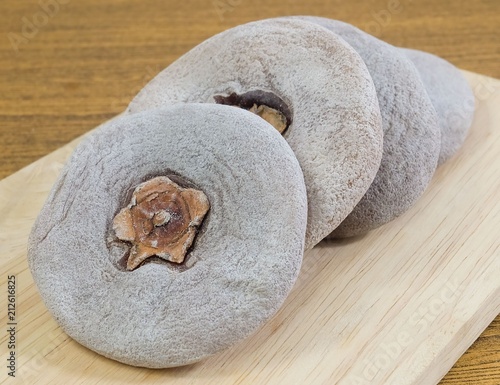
398	306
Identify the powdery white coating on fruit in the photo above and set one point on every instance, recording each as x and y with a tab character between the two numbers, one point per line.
411	132
245	259
451	96
336	131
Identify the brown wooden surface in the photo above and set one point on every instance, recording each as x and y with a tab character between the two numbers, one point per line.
88	59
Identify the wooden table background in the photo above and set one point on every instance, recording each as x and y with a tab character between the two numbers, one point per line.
68	66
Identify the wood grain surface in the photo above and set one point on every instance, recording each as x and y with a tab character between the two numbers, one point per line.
395	307
68	66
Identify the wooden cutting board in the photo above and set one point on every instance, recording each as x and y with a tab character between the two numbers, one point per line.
398	306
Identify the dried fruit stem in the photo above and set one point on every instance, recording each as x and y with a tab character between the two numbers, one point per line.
161	219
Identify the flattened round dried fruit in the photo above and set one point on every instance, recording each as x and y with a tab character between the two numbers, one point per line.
451	96
171	234
411	132
310	85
